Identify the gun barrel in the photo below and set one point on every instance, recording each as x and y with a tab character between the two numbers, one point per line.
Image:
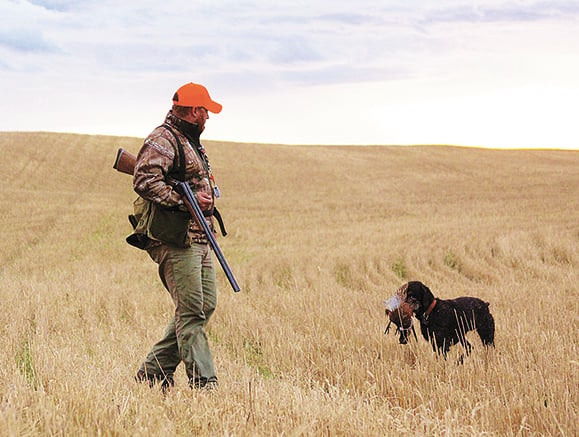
196	212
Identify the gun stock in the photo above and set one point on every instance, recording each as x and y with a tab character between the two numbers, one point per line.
125	162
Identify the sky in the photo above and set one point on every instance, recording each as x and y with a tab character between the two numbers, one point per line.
492	73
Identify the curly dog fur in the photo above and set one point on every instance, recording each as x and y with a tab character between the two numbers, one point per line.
442	322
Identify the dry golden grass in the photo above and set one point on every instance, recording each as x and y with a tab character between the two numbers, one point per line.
319	237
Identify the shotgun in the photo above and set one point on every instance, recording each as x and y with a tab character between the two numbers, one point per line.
125	163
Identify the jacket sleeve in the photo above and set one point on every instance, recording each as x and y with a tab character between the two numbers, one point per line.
154	161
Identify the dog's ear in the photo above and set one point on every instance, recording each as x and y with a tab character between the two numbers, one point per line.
427	296
414	293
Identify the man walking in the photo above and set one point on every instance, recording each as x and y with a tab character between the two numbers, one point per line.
173	152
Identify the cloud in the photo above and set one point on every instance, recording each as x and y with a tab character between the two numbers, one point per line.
295	42
503	12
343	74
26	41
54	5
62	5
294	50
258	55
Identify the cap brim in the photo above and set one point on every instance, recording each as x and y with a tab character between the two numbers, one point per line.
214	107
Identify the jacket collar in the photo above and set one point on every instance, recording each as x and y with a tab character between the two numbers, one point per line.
190	130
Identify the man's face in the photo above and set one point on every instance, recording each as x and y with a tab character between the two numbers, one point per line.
199	116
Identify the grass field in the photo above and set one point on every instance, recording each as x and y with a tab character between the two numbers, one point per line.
319	238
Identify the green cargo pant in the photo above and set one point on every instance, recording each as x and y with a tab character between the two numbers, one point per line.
189	276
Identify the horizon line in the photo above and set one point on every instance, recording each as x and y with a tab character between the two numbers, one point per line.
265	143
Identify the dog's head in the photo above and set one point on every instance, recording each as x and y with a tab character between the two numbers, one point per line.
400	312
419	297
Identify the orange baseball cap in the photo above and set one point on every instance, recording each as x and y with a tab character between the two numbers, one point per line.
193	94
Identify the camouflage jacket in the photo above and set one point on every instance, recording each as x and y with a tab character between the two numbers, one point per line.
157	163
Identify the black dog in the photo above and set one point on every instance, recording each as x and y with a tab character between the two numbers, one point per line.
442	322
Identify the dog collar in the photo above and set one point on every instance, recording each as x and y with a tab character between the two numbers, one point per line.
430	308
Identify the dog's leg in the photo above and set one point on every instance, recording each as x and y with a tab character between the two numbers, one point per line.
467	347
444	348
433	342
464	326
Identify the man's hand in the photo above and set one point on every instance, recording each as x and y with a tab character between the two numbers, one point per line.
205	200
